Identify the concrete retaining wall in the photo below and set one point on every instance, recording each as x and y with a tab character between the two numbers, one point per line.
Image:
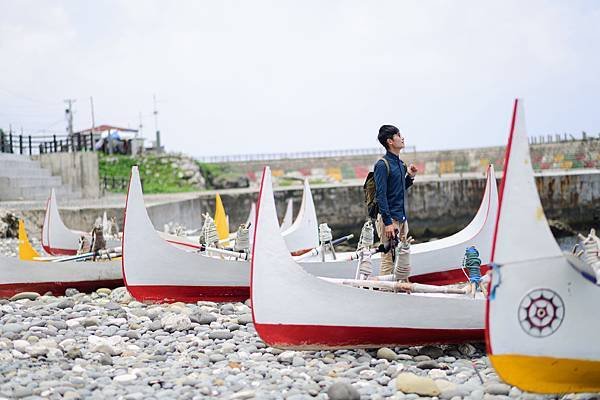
436	208
567	155
77	169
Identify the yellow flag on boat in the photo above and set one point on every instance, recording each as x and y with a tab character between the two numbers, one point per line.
221	219
26	250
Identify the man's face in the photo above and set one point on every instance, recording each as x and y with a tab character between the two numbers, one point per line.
396	142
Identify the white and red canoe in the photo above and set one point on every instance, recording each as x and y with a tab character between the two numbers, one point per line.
542	314
294	309
440	262
303	234
154	271
288	216
57	239
32	276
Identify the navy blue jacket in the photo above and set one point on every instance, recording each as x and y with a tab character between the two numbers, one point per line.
391	189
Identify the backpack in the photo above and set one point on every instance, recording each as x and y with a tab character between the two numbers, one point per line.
371	191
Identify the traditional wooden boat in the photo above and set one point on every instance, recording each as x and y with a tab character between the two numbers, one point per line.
288	217
156	272
303	235
153	280
542	313
294	309
28	274
57	239
439	262
31	276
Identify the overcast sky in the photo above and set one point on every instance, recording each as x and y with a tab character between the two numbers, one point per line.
236	77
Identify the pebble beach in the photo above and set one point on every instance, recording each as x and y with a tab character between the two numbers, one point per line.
107	345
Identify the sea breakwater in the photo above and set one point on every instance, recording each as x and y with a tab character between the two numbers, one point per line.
436	207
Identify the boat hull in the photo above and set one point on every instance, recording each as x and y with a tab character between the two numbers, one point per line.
153	269
295	309
188	294
57	288
33	276
191	293
340	337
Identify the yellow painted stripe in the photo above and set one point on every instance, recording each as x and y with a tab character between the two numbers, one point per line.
221	219
548	374
26	250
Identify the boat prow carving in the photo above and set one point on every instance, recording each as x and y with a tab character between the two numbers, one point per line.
542	314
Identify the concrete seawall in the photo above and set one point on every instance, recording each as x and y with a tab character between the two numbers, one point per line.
436	208
567	155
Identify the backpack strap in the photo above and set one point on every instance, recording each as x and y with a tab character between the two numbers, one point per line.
387	164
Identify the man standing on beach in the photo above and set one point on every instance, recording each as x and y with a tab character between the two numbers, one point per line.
392	179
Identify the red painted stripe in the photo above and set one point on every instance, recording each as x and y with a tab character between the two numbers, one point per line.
57	288
300	252
186	244
448	277
188	294
488	343
504	170
59	252
319	336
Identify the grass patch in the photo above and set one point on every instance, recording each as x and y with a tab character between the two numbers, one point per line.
159	174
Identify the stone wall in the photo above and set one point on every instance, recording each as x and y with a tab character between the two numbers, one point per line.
436	208
566	155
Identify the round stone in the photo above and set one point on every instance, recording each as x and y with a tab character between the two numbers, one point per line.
387	354
220	334
342	391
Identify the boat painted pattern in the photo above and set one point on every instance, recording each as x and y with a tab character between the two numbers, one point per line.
542	318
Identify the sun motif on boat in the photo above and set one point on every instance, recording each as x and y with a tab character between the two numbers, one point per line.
541	312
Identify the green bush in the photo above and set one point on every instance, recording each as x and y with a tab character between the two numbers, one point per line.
157	173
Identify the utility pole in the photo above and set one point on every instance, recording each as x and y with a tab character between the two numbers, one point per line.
92	109
139	132
156	125
69	115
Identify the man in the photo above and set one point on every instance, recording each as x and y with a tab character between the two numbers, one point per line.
391	186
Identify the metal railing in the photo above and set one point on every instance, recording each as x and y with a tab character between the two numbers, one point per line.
296	155
42	144
111	183
562	138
